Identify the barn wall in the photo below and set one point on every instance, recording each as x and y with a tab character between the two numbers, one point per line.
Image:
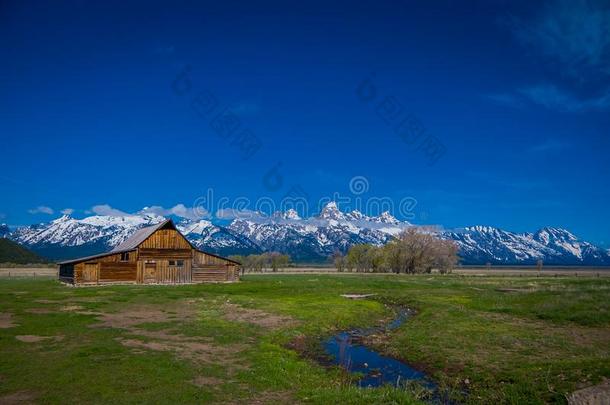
106	269
86	272
208	268
117	271
133	258
166	274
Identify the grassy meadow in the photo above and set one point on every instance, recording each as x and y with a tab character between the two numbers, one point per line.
483	339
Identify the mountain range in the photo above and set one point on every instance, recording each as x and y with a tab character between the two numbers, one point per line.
311	239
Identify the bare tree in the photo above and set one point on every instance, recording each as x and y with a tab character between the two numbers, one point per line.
339	261
276	260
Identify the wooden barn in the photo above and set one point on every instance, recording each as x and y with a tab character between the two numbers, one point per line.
157	254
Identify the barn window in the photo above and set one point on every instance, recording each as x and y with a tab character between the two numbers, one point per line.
125	257
172	262
180	263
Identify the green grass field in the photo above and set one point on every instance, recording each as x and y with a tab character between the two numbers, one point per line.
484	339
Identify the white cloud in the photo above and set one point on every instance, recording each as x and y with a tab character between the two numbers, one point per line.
179	210
105	209
42	209
231	213
67	211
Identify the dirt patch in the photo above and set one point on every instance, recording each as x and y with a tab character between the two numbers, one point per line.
38	311
233	312
204	381
132	316
45	301
6	320
19	397
187	349
596	395
71	308
192	348
272	397
36	339
86	299
513	290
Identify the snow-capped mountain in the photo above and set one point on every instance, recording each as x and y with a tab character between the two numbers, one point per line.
67	237
318	237
482	244
207	236
308	239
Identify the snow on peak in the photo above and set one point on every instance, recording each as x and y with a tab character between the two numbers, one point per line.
357	214
289	214
386	218
198	227
331	211
63	218
551	233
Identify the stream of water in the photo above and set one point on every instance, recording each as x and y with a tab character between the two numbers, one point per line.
348	352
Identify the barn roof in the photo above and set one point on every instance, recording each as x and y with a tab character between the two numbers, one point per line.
136	239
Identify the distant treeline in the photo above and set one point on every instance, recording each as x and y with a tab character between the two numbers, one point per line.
413	251
270	260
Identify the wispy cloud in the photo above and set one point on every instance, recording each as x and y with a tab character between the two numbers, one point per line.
42	209
550	96
105	209
574	35
179	210
67	211
231	213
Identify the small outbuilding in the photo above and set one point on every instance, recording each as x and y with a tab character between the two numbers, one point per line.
157	254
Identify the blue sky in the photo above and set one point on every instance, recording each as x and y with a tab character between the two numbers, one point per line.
513	99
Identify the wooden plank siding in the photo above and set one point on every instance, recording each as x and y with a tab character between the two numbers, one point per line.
166	239
117	271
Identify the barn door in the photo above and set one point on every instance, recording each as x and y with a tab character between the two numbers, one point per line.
150	271
90	273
